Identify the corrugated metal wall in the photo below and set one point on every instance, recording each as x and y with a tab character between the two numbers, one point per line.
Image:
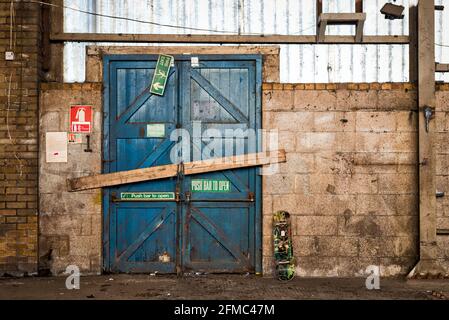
299	63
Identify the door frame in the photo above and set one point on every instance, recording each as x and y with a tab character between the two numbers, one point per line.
107	60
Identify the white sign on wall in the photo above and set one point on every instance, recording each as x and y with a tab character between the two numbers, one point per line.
56	146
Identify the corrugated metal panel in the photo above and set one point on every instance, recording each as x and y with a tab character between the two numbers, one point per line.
299	63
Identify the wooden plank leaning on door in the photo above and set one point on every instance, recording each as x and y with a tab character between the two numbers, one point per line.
171	170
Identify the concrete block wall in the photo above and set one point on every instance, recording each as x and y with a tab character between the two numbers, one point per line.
350	181
19	82
70	223
442	171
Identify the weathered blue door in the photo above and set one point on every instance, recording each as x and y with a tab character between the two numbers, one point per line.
209	222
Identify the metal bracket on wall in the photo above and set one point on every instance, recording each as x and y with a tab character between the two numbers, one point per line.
88	149
428	113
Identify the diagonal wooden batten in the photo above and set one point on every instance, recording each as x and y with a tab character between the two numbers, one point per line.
171	170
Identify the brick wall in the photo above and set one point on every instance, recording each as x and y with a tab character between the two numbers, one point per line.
18	139
350	180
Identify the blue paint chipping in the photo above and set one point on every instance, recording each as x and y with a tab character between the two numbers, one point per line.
206	231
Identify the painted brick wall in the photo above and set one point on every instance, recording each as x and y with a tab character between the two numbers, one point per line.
70	222
350	180
18	138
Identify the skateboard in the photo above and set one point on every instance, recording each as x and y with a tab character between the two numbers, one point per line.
283	247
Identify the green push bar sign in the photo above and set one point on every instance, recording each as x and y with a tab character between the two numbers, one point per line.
161	74
147	196
206	185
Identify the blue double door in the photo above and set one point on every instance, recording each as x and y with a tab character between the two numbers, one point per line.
202	223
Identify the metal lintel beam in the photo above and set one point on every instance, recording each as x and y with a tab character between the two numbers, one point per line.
207	38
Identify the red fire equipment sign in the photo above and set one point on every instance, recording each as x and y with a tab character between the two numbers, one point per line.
81	119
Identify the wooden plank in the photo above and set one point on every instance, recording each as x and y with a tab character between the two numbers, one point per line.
325	19
359	31
342	18
207	38
46	30
426	152
443	232
322	30
168	171
55	63
413	46
319	7
265	50
358	5
319	30
57	16
441	67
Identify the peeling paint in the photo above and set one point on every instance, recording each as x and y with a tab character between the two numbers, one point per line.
164	258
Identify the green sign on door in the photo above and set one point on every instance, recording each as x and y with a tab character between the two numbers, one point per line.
161	74
206	185
147	196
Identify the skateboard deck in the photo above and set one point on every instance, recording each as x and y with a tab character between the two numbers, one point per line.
283	246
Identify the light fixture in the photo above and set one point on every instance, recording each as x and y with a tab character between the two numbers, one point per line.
392	11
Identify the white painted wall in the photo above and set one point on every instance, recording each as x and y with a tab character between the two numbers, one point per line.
299	63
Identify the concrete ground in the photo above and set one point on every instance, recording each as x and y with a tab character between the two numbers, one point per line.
218	287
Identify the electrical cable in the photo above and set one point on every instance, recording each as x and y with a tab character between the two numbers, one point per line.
149	22
12	45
